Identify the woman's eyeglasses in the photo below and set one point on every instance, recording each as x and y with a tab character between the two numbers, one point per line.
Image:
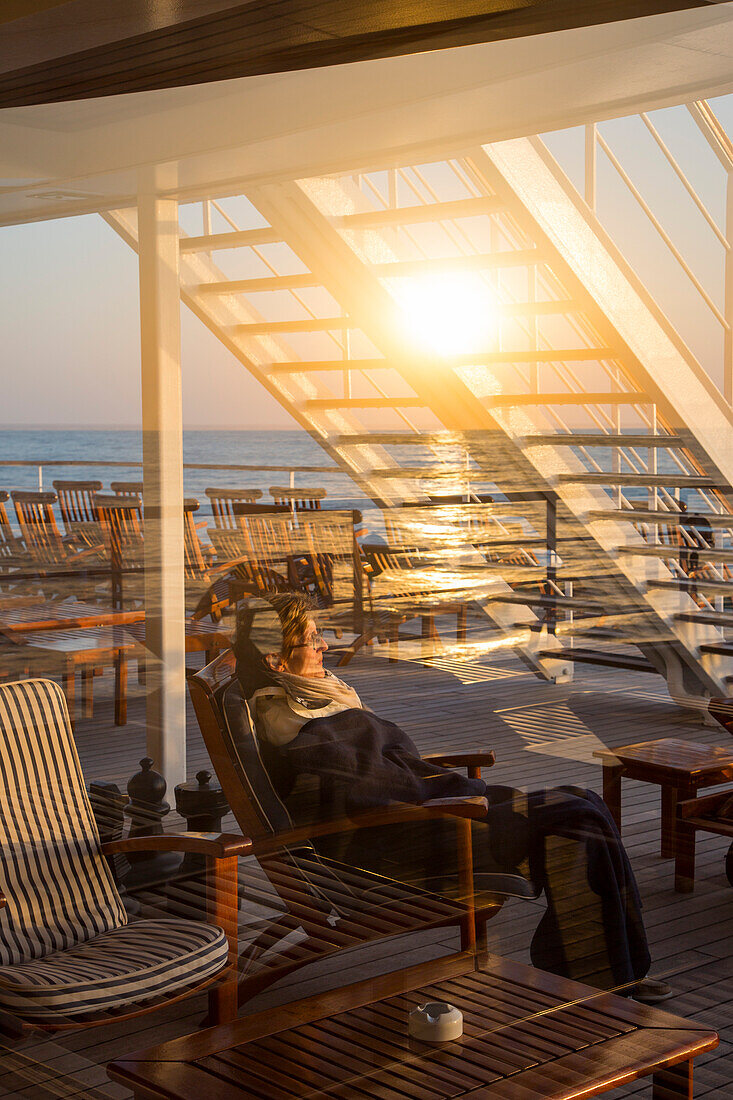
317	641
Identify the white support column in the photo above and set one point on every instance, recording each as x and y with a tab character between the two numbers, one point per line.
728	335
162	476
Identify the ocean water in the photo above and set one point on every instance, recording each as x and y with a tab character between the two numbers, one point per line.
263	448
291	449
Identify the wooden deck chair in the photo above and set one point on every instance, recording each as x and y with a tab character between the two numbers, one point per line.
38	526
207	591
267	534
329	566
68	955
299	500
335	905
76	504
119	516
222	501
11	547
196	560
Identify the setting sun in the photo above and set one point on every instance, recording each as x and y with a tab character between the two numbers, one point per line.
448	314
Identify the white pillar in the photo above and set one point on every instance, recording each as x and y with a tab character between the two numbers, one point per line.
162	475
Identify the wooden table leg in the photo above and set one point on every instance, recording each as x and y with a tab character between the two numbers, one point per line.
673	1083
670	797
69	676
393	635
87	691
612	790
461	620
465	883
669	825
684	860
121	688
428	633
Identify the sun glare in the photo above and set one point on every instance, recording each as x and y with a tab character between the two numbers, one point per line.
448	314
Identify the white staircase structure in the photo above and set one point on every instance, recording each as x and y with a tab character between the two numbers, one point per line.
583	412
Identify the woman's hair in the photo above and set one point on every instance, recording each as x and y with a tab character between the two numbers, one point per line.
294	610
257	635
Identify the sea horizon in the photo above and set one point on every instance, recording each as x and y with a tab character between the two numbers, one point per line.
40	427
33	458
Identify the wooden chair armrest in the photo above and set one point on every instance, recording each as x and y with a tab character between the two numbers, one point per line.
223	566
217	845
702	807
88	552
475	807
394	814
484	759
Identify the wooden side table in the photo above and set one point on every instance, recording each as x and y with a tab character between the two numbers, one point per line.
525	1034
680	768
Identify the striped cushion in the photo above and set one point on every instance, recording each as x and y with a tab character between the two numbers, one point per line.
59	888
146	959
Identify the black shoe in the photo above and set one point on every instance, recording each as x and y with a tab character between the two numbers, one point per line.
650	991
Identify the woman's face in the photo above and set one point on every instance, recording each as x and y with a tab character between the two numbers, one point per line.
304	660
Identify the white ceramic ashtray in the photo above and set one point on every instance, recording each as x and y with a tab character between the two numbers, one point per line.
435	1022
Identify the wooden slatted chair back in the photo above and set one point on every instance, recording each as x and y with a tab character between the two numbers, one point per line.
130	490
223	500
194	563
328	539
81	522
8	541
38	526
267	534
76	502
127	488
299	500
119	517
235	557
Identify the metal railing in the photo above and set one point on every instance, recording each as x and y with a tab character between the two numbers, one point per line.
289	469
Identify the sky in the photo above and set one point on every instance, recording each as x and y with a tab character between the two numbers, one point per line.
69	316
69	311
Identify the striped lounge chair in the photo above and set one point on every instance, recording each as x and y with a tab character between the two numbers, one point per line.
68	955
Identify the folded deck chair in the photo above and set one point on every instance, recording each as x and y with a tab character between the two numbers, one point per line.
68	955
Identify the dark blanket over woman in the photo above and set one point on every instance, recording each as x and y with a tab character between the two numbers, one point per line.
592	929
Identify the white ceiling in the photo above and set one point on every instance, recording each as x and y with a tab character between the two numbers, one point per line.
67	158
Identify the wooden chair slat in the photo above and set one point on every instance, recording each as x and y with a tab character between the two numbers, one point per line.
222	501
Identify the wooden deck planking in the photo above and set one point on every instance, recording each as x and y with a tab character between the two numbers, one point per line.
691	935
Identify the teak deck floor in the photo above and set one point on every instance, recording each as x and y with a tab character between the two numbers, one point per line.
543	735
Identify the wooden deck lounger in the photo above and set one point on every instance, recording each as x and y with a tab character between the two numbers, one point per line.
335	906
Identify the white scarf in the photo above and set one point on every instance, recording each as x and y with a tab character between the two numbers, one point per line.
317	689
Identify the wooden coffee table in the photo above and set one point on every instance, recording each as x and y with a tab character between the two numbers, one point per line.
526	1034
680	768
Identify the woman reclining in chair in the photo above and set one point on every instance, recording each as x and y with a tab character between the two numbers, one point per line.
310	723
